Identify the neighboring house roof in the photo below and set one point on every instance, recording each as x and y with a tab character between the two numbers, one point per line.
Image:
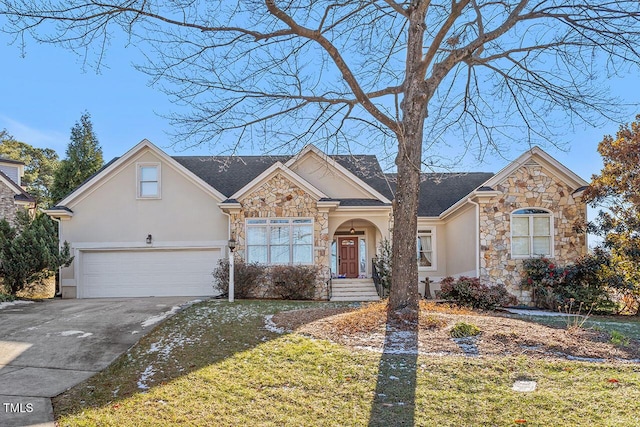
440	191
21	195
15	162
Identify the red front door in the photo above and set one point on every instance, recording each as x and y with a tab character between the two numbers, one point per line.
348	256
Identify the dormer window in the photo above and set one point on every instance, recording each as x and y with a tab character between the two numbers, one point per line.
149	180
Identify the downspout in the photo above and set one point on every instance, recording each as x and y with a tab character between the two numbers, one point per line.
477	205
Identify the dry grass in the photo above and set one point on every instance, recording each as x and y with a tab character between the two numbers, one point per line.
501	336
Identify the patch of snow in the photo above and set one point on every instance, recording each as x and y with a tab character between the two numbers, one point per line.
270	326
586	359
144	377
159	318
11	303
468	345
115	392
135	332
524	312
81	334
524	386
401	342
165	345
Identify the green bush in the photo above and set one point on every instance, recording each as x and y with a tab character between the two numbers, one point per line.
619	339
247	277
6	297
589	280
383	265
463	330
294	282
469	292
30	252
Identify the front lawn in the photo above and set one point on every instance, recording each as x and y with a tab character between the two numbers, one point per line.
224	364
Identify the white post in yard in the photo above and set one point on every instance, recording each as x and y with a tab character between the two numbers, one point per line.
232	246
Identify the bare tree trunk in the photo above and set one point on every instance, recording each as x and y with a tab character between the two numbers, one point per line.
404	279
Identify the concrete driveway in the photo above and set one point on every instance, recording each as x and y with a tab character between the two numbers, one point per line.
48	347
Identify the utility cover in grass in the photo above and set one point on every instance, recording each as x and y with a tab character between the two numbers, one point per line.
524	386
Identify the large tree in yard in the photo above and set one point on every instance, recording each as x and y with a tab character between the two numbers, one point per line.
84	158
617	188
40	166
407	75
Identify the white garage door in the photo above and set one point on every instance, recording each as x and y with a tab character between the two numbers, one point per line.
147	273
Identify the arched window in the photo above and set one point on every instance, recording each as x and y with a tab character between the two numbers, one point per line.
531	233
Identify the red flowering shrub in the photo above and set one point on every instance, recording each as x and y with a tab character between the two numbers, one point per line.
469	292
588	281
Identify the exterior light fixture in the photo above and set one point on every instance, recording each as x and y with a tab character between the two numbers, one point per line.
352	230
149	239
232	244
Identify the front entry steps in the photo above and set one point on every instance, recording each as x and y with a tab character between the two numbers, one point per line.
353	290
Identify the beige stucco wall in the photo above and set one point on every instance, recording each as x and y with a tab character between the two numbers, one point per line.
111	213
462	237
108	215
528	186
327	178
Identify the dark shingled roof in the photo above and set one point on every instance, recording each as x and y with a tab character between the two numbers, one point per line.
22	195
440	191
228	174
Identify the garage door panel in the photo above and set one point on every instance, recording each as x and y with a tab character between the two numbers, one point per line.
148	273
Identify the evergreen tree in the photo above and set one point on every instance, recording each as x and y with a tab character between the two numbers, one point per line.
40	166
30	252
84	158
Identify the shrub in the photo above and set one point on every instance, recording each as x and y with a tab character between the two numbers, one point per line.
383	266
589	281
463	330
247	277
6	297
297	282
30	252
469	292
619	339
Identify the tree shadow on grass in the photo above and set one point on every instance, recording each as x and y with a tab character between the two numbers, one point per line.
202	335
394	400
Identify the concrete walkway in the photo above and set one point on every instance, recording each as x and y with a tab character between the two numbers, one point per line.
48	347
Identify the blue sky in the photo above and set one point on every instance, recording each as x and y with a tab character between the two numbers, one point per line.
46	92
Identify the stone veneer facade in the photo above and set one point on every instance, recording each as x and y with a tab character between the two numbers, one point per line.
7	203
529	186
280	198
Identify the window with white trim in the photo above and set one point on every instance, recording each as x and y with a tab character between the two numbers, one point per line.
531	233
148	180
280	240
426	249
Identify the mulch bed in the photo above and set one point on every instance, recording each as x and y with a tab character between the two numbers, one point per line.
501	336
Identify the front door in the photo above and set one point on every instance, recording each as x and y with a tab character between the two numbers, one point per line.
348	256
